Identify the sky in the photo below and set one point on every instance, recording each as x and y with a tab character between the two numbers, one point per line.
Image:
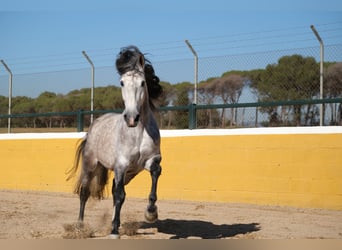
48	36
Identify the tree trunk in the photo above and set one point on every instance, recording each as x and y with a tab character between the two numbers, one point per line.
222	118
297	114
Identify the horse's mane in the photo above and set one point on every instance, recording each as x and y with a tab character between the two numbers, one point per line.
128	59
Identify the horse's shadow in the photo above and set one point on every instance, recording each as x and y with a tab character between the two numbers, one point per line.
203	229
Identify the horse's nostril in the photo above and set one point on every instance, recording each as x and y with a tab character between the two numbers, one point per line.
131	119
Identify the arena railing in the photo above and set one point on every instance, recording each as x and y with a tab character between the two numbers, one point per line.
191	109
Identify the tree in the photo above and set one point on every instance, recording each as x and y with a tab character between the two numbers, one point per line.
62	104
207	95
80	99
44	103
106	98
229	89
22	105
333	89
3	109
333	78
182	99
168	95
292	78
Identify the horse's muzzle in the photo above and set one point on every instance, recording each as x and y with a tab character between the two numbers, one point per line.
132	120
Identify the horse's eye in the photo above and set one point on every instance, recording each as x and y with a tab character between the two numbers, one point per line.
121	83
142	83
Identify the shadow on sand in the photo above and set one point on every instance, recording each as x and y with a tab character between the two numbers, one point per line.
203	229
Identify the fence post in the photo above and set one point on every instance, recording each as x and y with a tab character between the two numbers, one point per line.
80	121
9	95
192	116
92	85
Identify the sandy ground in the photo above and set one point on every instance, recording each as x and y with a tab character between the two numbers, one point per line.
43	215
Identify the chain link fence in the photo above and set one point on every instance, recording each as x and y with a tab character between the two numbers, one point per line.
274	76
231	81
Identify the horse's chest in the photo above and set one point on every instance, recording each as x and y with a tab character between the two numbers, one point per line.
127	151
142	152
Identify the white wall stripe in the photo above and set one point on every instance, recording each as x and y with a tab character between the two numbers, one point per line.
186	132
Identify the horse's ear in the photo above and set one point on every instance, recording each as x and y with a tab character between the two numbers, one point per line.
142	61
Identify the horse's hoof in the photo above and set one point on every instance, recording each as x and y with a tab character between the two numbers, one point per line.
114	236
80	225
151	217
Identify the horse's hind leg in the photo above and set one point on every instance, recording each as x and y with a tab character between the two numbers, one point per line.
84	192
151	213
84	195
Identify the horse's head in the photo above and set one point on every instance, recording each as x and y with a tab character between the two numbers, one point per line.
130	64
133	89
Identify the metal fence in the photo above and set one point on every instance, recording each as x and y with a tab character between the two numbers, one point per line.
270	88
170	117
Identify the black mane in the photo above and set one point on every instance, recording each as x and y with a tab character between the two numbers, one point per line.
129	59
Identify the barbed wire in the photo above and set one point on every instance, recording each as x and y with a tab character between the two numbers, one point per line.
172	50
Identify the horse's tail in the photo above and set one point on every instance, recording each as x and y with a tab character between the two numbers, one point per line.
72	172
95	179
98	182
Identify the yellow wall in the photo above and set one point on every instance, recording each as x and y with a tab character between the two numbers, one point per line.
302	170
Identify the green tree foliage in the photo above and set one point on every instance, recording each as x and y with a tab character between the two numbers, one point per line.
333	89
333	81
45	103
165	117
292	78
229	88
207	95
107	98
3	110
182	99
226	89
22	105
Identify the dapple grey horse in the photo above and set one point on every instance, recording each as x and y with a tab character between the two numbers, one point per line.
125	143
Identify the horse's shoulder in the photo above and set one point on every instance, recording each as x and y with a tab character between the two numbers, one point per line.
103	125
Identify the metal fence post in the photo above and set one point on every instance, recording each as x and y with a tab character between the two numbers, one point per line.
321	118
192	110
92	84
9	95
192	116
80	121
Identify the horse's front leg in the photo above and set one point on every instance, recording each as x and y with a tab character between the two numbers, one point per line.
119	194
151	213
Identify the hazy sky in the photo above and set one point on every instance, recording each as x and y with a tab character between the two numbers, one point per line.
44	36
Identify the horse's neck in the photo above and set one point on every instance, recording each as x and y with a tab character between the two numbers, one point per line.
147	116
149	123
146	112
